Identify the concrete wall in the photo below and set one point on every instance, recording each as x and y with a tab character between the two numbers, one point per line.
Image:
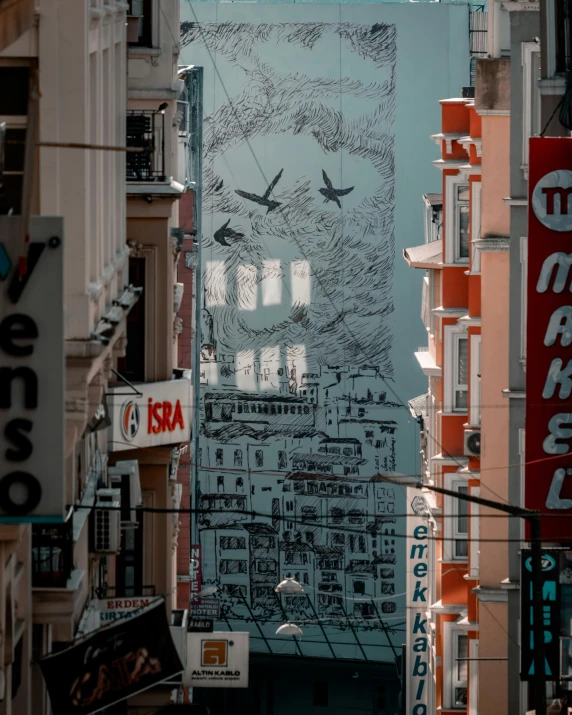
310	295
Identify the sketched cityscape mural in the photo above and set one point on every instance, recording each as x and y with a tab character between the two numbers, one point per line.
297	409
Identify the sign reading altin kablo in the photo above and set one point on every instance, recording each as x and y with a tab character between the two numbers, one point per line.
32	385
417	677
548	471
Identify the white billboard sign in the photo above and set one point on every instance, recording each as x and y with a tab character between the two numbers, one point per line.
217	660
32	385
159	415
417	675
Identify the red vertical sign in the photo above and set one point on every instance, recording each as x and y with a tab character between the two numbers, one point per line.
548	471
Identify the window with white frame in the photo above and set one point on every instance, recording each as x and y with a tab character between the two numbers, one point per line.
460	669
531	118
476	188
457	214
461	524
456	369
475	410
456	667
456	544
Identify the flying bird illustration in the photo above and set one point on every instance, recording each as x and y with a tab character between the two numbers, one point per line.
224	232
332	194
219	186
263	200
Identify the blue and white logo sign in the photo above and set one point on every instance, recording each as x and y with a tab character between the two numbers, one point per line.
548	563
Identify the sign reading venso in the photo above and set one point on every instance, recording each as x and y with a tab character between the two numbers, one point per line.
32	384
417	661
548	483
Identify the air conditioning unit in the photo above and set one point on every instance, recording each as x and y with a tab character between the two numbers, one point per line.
107	522
125	477
472	442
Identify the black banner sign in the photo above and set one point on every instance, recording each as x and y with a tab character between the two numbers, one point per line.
112	664
550	615
200	625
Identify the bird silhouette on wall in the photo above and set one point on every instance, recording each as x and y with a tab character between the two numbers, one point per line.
224	232
265	199
332	194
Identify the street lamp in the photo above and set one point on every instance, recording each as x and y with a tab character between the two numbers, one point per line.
289	586
289	629
533	518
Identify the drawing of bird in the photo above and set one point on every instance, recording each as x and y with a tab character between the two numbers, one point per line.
219	186
332	194
224	232
263	200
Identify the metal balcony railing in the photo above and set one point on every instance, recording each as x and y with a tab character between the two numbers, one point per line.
145	130
115	592
52	555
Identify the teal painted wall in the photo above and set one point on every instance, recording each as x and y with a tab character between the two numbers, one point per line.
316	152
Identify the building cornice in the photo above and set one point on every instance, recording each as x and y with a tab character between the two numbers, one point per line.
516	201
450	461
447	609
492	244
448	138
470	321
552	86
520	6
493	112
490	595
448	164
514	394
477	142
470	169
441	312
428	364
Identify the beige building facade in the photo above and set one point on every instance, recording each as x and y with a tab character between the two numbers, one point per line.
81	78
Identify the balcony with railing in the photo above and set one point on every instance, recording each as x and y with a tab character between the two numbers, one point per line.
52	555
145	140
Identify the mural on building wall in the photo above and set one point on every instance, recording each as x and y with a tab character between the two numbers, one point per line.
298	409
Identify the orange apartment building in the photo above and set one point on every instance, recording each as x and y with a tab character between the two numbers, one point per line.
464	309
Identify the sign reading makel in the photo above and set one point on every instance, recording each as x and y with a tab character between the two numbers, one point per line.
160	415
548	471
112	664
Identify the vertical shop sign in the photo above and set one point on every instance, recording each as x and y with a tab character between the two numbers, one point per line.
548	471
550	615
417	657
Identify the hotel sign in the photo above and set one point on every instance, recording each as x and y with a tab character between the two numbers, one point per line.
548	470
32	384
417	680
159	415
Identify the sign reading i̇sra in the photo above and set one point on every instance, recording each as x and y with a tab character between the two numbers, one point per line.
159	415
32	382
